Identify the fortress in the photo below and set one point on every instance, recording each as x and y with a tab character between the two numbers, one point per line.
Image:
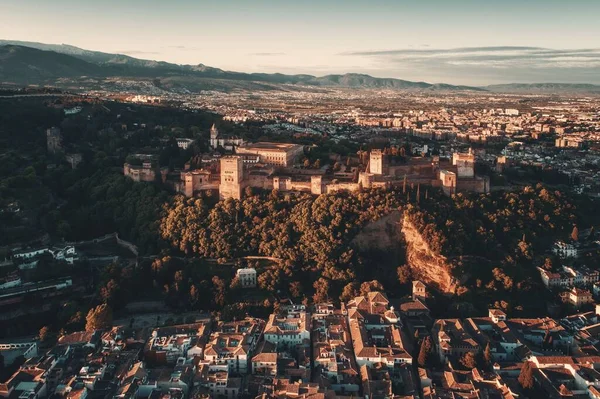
270	166
147	171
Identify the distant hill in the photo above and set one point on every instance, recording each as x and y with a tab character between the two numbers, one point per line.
558	88
39	63
25	65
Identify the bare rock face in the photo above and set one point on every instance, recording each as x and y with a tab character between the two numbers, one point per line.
397	238
427	266
382	234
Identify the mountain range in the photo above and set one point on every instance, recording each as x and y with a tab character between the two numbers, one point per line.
26	63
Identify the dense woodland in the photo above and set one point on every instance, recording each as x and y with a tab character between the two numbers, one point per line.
493	242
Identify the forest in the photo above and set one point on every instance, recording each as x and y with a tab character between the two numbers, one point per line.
494	240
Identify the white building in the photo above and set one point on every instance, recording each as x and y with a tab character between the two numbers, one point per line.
10	350
229	143
29	257
144	99
10	281
247	277
184	143
289	327
72	111
232	344
565	250
596	289
217	380
68	254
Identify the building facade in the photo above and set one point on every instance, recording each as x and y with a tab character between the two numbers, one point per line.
277	154
247	277
232	177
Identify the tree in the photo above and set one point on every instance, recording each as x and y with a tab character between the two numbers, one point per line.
524	249
404	274
468	360
575	234
110	292
370	286
194	295
178	280
235	283
547	342
270	280
296	289
218	291
526	377
487	355
236	311
45	335
424	351
99	318
349	292
321	287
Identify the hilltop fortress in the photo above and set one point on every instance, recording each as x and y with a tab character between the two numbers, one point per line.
270	166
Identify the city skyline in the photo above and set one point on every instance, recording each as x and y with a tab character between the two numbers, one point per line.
464	42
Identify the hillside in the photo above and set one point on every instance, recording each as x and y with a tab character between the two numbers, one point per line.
38	63
24	65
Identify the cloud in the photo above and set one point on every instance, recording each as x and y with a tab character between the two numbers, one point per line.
500	64
266	54
180	47
441	51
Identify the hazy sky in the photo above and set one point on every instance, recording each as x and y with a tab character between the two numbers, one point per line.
454	41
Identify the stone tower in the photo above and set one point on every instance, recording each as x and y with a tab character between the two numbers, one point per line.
465	164
419	291
448	182
214	132
232	177
54	140
214	136
366	179
316	184
376	162
188	188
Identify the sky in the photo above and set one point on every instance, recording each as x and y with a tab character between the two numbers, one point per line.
471	42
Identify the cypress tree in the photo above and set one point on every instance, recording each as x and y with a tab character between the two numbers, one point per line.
424	352
526	376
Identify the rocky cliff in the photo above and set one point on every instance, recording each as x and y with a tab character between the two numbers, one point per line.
432	269
380	235
398	241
